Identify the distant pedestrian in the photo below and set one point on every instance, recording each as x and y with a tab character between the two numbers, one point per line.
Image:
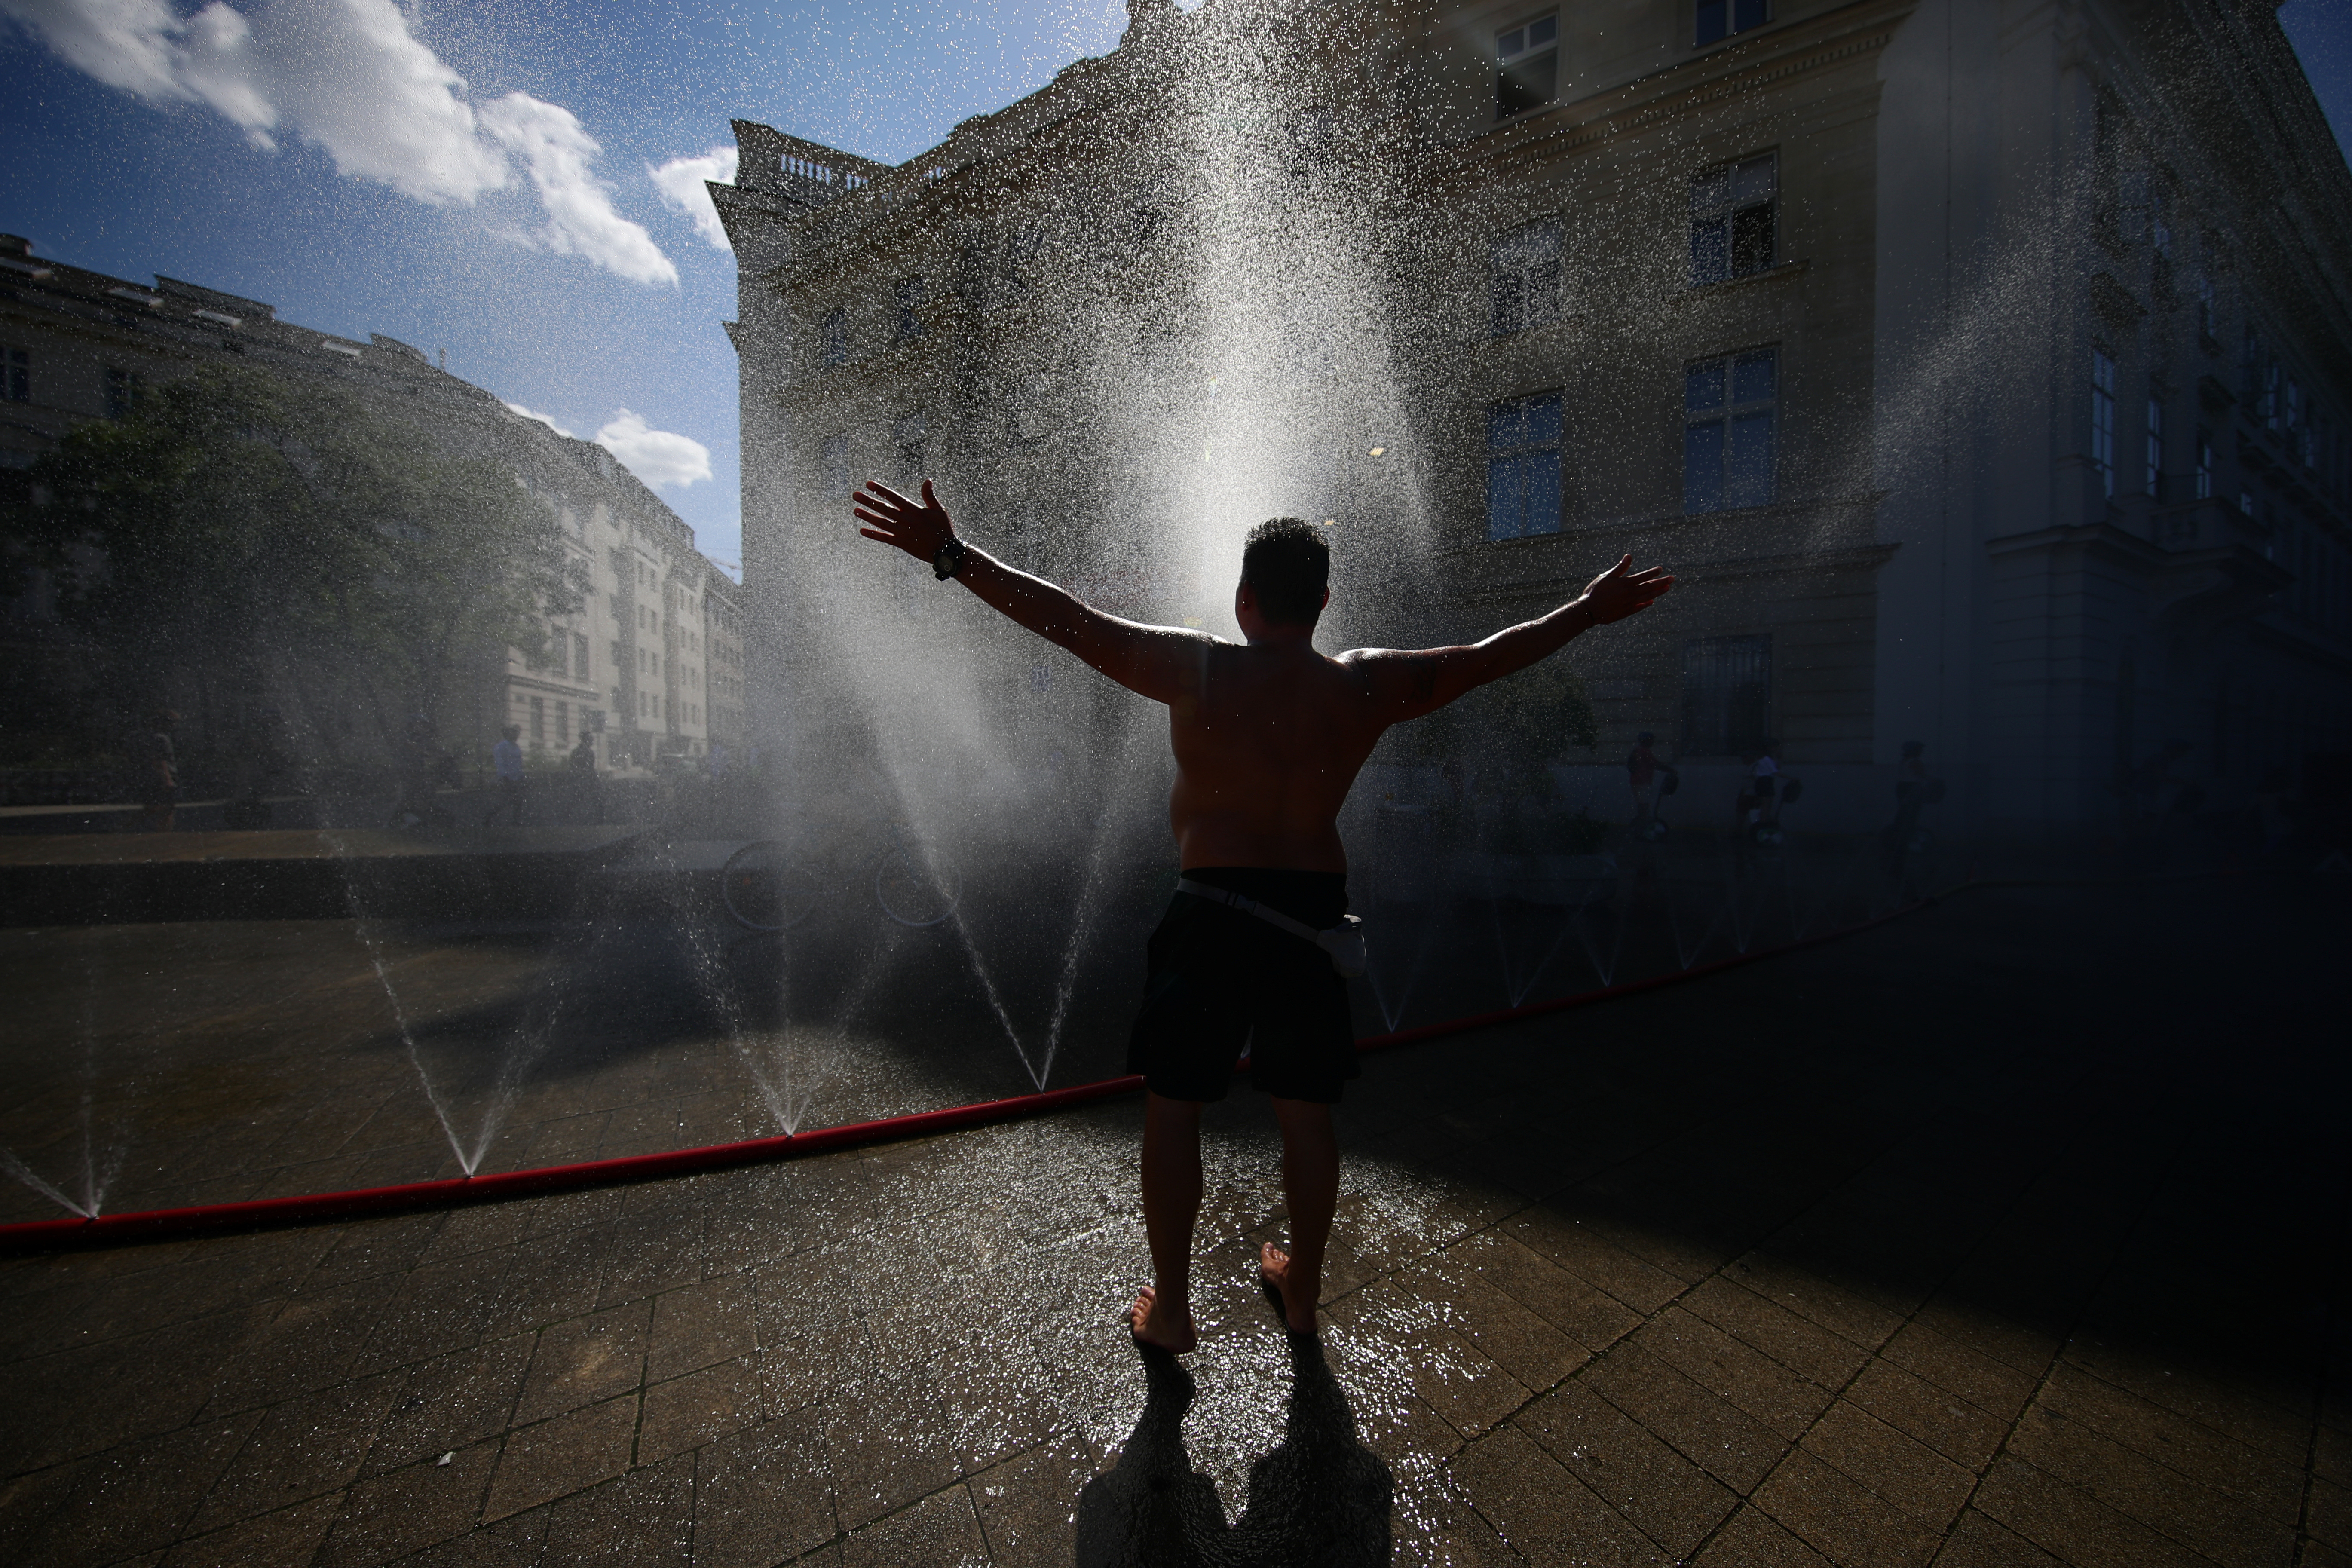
1914	790
582	766
155	772
507	757
1643	772
1758	775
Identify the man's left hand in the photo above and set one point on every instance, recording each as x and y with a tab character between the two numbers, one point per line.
919	528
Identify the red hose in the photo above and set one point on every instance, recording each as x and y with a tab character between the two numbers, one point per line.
153	1225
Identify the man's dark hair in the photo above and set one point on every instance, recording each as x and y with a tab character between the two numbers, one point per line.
1286	561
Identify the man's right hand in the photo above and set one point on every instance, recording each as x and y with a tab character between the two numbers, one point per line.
1621	591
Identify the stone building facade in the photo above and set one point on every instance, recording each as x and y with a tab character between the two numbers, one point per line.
1980	369
630	666
725	636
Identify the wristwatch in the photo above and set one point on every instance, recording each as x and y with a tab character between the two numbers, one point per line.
949	561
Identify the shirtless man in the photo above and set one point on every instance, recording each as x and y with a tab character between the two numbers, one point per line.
1268	735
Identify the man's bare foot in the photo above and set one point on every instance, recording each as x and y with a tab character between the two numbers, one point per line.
1169	1331
1274	1267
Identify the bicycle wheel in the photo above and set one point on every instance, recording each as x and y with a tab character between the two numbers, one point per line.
910	891
765	890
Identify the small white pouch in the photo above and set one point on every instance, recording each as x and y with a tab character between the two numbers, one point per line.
1343	942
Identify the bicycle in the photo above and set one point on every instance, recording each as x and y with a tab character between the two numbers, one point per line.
769	886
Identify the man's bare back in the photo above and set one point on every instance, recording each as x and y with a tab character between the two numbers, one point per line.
1269	736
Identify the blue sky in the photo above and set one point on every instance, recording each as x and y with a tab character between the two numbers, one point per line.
325	155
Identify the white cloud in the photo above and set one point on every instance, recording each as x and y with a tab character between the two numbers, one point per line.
127	44
680	184
216	64
544	419
657	456
350	77
580	216
345	74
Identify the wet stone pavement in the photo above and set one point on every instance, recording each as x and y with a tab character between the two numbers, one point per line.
2011	1233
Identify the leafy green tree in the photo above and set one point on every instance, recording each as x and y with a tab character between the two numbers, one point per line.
243	538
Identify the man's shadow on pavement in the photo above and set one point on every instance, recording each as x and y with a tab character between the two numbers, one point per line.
1321	1499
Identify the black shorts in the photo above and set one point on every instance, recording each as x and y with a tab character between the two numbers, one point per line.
1222	979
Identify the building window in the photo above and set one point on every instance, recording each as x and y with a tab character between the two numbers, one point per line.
1527	71
906	438
833	467
2207	309
559	651
2204	464
16	376
2246	504
2103	420
1730	418
910	305
1732	219
562	721
538	721
580	657
1726	695
1524	277
2154	449
832	337
1719	19
122	393
1523	467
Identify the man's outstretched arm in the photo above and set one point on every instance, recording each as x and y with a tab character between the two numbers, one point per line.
1151	661
1408	684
